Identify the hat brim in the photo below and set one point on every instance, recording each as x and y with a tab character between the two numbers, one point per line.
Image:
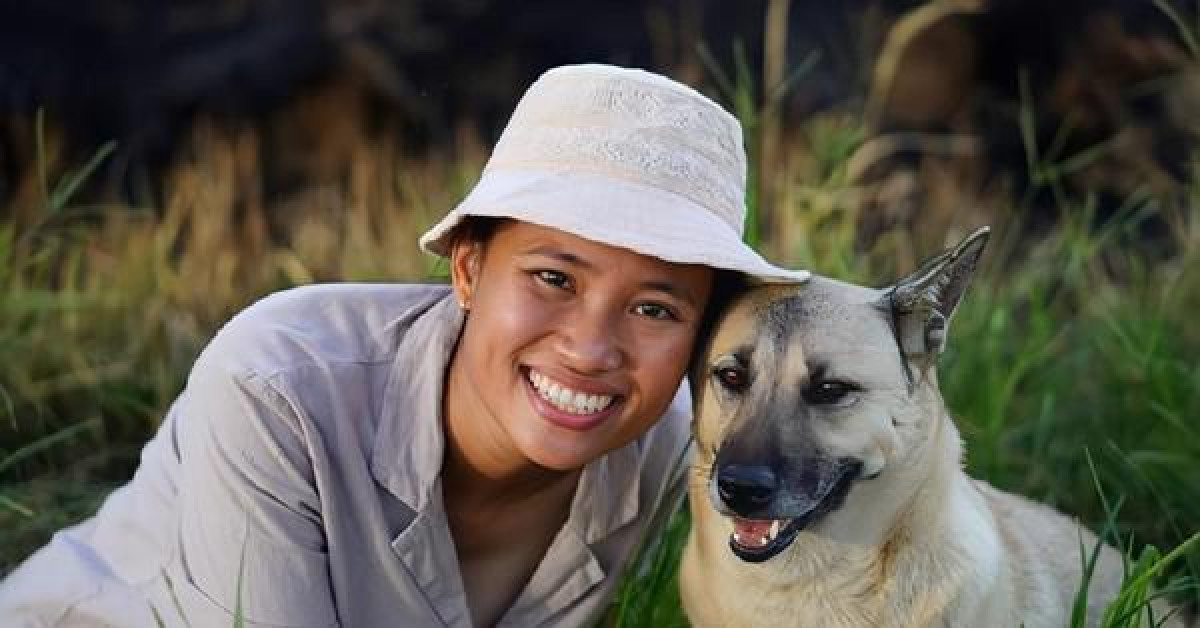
625	214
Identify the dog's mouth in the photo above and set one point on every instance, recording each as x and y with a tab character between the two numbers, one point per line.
758	540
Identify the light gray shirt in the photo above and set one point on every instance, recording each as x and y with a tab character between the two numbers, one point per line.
297	478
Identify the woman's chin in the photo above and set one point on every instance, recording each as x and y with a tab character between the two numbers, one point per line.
561	459
556	449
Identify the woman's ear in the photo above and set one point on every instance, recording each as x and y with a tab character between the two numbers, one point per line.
465	262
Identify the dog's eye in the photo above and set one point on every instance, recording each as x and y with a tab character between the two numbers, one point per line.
733	378
830	393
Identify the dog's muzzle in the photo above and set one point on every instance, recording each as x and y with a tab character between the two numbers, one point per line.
768	511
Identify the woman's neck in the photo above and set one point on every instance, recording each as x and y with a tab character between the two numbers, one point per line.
478	480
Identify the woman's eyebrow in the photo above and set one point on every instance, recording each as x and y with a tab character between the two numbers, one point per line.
558	254
670	288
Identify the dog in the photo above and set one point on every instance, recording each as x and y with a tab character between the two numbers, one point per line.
827	489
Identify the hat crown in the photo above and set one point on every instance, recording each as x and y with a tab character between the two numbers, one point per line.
632	125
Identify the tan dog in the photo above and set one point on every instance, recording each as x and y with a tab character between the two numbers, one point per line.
828	488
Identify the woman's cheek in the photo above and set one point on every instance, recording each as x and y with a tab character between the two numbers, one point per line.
675	348
666	358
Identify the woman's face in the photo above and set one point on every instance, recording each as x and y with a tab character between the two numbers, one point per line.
571	348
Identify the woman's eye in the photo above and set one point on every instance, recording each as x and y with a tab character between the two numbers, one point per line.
830	393
732	378
553	278
655	311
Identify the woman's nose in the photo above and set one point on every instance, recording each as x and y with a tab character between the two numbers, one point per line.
590	343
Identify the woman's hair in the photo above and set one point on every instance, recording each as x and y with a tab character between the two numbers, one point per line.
727	286
475	230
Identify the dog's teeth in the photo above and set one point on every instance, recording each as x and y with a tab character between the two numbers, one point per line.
774	531
764	541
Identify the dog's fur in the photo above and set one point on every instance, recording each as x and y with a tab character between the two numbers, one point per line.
819	403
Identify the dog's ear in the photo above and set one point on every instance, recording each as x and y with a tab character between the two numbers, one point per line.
923	302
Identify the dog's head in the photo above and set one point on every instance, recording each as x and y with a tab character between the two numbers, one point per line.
806	392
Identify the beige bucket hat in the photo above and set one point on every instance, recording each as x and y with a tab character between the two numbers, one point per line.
626	158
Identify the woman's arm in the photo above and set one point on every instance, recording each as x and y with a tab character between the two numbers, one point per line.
251	535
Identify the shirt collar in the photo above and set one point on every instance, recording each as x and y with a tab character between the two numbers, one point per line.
409	444
607	496
407	457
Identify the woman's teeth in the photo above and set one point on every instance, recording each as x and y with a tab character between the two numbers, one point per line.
566	399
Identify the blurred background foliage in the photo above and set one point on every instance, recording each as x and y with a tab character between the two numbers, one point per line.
164	164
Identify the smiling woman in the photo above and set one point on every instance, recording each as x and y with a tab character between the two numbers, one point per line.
492	452
572	349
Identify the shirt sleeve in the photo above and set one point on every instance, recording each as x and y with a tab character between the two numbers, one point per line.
251	538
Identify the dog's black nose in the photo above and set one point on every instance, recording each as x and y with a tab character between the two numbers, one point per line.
746	489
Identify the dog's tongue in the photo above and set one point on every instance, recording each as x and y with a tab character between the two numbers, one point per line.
752	534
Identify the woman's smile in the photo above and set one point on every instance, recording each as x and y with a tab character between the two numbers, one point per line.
566	398
567	406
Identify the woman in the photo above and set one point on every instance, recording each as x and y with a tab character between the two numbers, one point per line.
486	453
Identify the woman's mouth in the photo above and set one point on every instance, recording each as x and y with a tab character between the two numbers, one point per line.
567	407
566	399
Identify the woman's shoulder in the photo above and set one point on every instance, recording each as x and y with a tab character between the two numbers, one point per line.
322	323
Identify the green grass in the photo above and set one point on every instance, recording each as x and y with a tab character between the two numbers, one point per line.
1072	341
